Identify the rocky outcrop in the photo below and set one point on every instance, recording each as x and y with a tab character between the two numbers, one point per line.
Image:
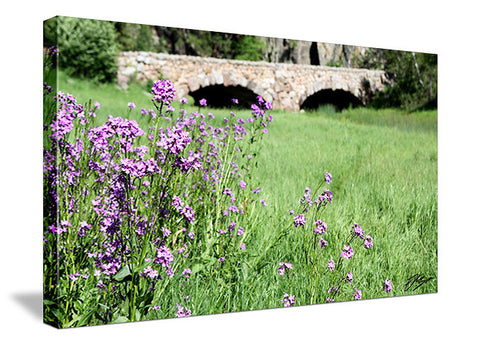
313	53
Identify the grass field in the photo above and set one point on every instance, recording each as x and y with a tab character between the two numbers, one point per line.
384	168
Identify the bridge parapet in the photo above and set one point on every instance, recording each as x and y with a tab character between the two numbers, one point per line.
286	86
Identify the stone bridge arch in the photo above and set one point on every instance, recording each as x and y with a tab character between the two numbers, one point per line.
286	86
340	94
220	95
220	87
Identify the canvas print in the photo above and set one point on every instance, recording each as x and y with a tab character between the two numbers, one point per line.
190	172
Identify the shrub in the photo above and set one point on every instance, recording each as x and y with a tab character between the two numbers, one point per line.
88	48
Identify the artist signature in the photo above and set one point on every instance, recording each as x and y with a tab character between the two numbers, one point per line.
416	281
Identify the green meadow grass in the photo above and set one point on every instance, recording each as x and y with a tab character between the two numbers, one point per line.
384	168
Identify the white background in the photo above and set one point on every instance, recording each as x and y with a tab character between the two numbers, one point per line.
449	317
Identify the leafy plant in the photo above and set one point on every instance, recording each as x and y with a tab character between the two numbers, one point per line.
88	47
414	77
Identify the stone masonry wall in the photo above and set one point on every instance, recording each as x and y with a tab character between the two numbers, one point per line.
286	86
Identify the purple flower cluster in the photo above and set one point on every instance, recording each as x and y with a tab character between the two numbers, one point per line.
150	273
387	285
288	300
324	198
182	312
328	177
367	239
306	199
320	227
185	210
349	278
68	111
129	200
283	266
174	139
347	252
163	92
331	265
322	242
165	258
139	168
357	230
299	220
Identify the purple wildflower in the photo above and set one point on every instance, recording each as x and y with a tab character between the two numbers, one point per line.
328	177
288	300
174	139
322	242
349	278
83	227
166	232
163	92
357	230
74	276
131	105
68	111
321	227
150	273
203	102
182	311
164	257
347	252
283	266
357	294
299	220
242	184
324	198
235	101
240	231
306	197
387	285
233	208
331	265
368	242
334	290
186	273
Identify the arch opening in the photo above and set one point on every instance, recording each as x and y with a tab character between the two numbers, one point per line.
220	96
340	99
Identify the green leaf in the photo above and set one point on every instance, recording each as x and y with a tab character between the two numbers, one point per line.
121	319
48	302
123	274
86	318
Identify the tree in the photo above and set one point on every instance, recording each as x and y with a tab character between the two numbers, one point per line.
414	77
87	48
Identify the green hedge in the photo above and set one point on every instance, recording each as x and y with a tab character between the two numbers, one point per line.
87	48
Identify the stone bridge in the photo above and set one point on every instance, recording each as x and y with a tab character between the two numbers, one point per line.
287	86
